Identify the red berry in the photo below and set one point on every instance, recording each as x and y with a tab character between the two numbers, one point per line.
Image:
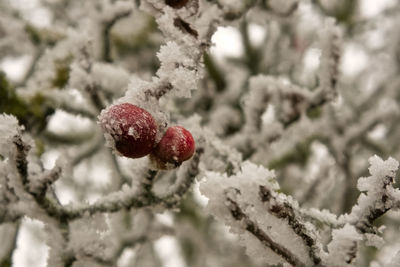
132	129
176	146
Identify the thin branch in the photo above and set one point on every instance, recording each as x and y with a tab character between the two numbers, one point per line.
20	158
183	185
38	187
381	206
12	231
37	56
159	91
283	210
238	214
106	34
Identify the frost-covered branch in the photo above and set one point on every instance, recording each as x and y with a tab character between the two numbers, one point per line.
263	237
242	212
257	215
142	111
377	197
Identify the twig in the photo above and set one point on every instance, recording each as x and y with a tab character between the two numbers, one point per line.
106	34
282	209
179	190
238	214
38	187
11	238
20	158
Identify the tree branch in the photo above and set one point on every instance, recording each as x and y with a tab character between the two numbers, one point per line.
238	214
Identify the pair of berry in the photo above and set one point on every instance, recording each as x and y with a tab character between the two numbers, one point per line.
134	131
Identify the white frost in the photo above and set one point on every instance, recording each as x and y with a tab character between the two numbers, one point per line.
8	129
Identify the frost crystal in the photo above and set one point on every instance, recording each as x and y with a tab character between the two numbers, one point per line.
282	129
343	247
378	194
239	201
8	130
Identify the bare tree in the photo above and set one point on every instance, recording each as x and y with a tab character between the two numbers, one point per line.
126	129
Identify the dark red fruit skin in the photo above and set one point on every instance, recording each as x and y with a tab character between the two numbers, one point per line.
176	146
132	128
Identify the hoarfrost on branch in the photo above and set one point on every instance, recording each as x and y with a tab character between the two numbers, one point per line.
296	138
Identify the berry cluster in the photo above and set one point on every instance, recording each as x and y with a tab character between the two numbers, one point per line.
133	131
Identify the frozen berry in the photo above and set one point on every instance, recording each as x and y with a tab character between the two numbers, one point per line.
176	146
130	130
